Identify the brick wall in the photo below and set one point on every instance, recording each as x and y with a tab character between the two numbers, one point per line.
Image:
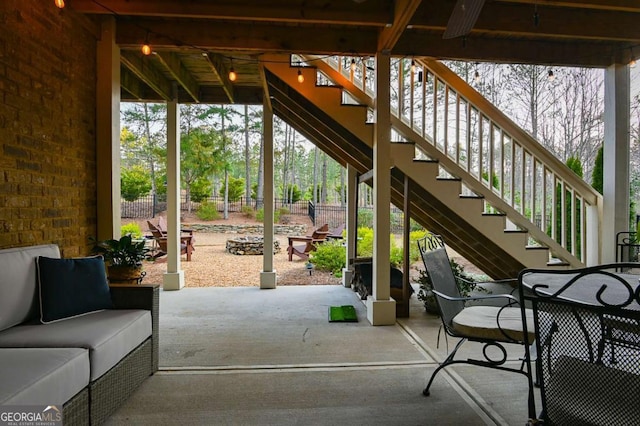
47	126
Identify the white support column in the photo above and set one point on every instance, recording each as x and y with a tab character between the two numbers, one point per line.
174	277
350	238
108	132
616	158
381	308
268	277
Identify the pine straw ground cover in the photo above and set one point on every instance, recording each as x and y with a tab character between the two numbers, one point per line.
212	266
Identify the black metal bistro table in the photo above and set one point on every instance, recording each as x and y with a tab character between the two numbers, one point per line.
587	343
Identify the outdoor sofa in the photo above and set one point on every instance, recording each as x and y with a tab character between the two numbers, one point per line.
98	344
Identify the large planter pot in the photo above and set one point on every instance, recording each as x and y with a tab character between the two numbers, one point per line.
124	274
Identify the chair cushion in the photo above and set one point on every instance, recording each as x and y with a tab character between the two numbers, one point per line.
109	335
481	322
71	287
42	376
18	293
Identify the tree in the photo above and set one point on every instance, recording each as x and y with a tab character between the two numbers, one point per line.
597	176
199	157
235	189
134	183
200	189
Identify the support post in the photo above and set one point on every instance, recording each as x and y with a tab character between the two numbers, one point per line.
350	238
616	158
173	279
108	132
268	278
381	308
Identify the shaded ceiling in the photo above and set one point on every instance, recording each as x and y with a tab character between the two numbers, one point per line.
196	42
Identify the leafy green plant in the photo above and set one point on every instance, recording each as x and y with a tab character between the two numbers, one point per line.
465	282
329	256
236	189
207	211
123	252
134	183
260	215
200	190
132	229
248	212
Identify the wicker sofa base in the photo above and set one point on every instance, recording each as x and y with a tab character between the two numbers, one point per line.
108	392
75	412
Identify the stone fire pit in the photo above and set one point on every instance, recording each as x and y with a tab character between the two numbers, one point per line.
249	245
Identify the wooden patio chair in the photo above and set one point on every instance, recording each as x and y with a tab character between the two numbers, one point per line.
308	242
186	244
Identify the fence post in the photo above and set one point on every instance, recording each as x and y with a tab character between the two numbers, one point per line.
312	213
154	205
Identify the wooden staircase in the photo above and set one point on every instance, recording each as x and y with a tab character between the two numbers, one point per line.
490	241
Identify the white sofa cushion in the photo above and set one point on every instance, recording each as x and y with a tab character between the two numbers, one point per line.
42	376
18	301
109	335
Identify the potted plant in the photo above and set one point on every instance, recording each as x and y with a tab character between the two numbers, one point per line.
465	284
123	258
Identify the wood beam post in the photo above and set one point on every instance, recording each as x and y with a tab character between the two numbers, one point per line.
268	279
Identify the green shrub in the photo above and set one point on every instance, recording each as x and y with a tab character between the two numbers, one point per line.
260	215
134	183
236	189
132	229
292	197
365	218
207	211
249	212
329	256
200	190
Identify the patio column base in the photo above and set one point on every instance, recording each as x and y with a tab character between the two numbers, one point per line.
173	281
268	280
381	312
347	274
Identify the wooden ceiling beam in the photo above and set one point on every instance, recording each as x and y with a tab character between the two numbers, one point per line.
618	5
517	20
341	12
143	68
248	37
487	49
220	69
179	72
404	10
131	83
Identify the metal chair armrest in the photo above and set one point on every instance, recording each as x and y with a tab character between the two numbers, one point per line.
512	300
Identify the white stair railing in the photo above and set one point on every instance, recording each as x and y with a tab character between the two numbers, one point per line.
474	140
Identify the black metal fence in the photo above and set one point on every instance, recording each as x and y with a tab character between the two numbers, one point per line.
335	215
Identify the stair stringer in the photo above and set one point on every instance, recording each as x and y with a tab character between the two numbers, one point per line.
340	142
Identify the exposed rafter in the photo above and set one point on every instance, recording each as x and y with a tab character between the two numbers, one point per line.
179	73
222	72
142	67
404	10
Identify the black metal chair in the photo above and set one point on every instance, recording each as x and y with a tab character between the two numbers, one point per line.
588	343
493	326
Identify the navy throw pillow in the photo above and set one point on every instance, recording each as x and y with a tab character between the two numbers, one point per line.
71	287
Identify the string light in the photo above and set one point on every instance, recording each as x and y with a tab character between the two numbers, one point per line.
550	76
476	75
413	66
353	65
233	76
59	4
300	76
632	63
146	49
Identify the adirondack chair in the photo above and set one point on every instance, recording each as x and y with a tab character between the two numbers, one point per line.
186	243
308	242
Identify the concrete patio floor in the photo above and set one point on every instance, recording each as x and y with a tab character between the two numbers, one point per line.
248	356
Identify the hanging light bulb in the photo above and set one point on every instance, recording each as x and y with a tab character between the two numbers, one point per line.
632	63
476	77
59	4
550	76
353	65
300	77
413	66
232	74
146	49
